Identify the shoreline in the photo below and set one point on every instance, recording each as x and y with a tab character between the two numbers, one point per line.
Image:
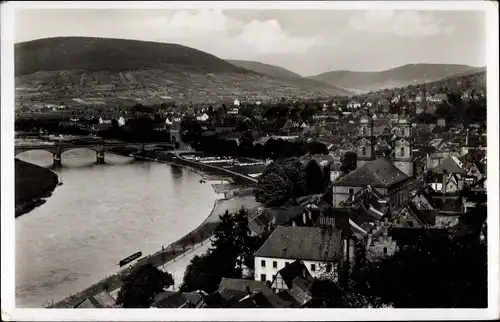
38	198
198	235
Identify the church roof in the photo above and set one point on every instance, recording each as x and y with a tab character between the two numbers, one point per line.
377	173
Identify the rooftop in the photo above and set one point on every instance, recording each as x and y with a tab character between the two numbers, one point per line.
304	243
377	173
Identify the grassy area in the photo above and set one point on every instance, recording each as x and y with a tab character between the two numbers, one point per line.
32	183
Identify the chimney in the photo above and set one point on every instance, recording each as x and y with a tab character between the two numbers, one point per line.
304	217
304	273
386	220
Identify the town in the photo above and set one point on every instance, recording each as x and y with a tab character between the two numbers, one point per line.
359	196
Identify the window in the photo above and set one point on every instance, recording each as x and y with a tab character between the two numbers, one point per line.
402	152
351	191
328	268
313	268
286	264
263	263
274	277
275	264
364	150
262	277
385	250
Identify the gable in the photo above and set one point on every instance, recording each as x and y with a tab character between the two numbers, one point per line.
402	143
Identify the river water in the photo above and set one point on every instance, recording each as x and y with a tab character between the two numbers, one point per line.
100	215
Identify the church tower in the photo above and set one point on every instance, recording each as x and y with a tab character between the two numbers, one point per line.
403	151
175	132
365	142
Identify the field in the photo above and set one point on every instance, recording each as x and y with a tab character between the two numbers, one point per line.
153	87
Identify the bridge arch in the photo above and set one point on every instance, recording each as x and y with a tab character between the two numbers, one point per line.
67	149
20	151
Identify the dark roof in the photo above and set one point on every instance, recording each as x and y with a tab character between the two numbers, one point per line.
231	286
255	300
377	173
293	270
301	290
286	296
304	243
171	299
100	300
447	164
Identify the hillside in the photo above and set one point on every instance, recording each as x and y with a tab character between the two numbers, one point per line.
83	70
396	77
265	69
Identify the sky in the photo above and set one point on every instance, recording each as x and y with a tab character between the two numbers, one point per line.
307	42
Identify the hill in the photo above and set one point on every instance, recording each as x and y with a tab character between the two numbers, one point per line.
84	70
396	77
266	69
281	73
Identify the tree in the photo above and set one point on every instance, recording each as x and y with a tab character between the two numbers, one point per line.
434	272
349	162
231	243
314	175
317	148
282	180
140	287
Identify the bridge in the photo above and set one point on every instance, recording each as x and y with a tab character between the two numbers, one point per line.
100	148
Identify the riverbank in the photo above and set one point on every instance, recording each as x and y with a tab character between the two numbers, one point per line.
232	202
32	185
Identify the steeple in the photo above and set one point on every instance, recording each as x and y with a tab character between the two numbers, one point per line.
403	150
365	141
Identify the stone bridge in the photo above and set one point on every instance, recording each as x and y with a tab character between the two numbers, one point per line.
100	148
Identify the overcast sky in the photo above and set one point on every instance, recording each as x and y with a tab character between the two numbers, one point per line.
305	42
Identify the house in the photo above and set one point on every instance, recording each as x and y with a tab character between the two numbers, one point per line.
203	117
381	175
320	250
171	300
353	105
381	246
233	111
121	121
284	277
441	122
100	300
236	103
438	98
234	290
104	121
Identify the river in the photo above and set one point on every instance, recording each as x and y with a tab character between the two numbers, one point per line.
101	214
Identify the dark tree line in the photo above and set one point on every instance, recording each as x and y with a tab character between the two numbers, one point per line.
272	149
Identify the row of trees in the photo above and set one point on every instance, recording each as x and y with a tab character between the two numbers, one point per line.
272	149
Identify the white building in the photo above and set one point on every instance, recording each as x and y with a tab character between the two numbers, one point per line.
318	248
103	121
233	111
203	118
121	121
236	102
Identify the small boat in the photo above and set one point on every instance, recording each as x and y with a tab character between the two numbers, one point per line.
202	181
60	183
127	260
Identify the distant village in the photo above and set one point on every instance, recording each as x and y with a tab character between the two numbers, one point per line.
417	165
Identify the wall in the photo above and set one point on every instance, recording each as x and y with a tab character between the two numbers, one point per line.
271	272
376	249
405	166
